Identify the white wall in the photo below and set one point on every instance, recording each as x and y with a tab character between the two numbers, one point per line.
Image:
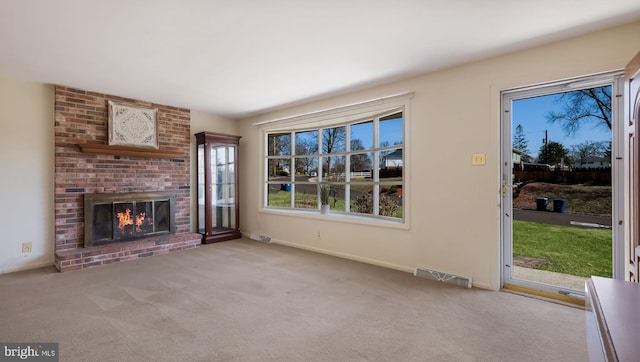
201	122
26	169
454	207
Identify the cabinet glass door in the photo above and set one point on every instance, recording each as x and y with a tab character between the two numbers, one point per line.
223	188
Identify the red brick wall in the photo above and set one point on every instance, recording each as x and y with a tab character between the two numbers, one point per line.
82	116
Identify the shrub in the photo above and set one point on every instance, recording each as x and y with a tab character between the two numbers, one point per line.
364	205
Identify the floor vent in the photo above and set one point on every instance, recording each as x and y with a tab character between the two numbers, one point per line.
443	277
260	237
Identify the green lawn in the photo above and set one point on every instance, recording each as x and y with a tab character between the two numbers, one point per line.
569	250
309	201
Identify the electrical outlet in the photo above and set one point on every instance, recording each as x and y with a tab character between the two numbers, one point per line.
26	247
318	235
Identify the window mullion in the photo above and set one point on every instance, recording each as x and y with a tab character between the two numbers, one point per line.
347	169
376	166
292	169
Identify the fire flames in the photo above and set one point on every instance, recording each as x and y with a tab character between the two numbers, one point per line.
125	218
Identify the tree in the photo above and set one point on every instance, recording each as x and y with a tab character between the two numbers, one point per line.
333	140
383	154
553	153
359	161
356	145
520	143
580	153
278	144
607	151
591	105
306	165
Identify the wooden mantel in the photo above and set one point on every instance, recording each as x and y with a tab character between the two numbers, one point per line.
117	150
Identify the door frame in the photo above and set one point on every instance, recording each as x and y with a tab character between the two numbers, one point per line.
632	145
615	79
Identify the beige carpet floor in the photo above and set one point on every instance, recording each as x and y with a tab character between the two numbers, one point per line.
248	301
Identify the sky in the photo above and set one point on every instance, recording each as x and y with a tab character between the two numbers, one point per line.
390	133
531	114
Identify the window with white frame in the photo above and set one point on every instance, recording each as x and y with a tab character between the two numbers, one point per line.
354	163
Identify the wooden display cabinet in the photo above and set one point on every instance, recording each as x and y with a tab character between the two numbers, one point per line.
218	197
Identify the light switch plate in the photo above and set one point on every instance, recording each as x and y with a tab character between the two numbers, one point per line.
478	159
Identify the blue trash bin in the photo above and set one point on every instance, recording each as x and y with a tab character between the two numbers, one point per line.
541	203
558	205
287	187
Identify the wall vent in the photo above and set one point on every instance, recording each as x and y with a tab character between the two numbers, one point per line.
260	237
443	277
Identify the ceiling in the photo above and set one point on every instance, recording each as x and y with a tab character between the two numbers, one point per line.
244	57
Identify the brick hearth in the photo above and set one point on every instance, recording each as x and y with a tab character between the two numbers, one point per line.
80	258
82	116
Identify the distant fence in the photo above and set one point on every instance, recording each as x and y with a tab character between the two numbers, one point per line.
596	176
361	174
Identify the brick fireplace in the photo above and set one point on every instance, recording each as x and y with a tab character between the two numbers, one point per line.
81	119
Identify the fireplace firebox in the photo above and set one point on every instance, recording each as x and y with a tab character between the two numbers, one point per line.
110	218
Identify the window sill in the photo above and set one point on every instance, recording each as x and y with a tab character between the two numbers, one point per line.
339	217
